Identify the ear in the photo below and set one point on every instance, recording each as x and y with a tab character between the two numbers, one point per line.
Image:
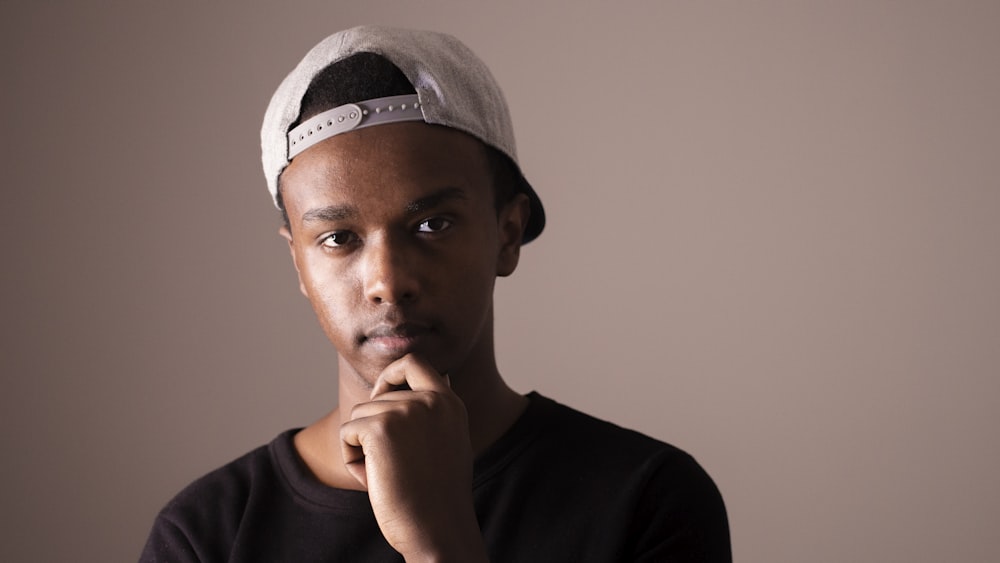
284	232
511	222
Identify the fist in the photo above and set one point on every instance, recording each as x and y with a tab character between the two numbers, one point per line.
410	448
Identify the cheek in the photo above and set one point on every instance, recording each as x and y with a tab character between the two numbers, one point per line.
471	290
332	299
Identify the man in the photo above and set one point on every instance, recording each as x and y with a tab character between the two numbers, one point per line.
391	155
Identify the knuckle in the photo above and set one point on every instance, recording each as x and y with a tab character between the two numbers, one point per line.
377	431
430	400
409	409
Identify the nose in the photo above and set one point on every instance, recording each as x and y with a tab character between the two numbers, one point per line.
388	273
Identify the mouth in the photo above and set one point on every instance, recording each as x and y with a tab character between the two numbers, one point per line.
396	339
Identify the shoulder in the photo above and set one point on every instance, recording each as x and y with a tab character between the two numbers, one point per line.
227	486
588	441
579	435
670	501
567	449
204	517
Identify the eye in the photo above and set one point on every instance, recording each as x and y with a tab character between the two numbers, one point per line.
338	239
434	225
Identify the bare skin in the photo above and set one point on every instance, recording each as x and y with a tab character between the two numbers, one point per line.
397	245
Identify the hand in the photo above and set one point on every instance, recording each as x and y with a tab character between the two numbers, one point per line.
411	450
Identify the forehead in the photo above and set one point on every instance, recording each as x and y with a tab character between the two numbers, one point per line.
385	163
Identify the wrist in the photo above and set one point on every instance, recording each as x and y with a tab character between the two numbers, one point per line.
460	544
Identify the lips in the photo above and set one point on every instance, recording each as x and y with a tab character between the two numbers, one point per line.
396	339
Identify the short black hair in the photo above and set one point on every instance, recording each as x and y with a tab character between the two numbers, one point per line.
366	76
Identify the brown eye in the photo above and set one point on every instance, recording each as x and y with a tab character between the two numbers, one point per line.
434	225
339	238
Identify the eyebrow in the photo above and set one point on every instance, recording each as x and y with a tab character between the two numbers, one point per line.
435	199
333	213
330	213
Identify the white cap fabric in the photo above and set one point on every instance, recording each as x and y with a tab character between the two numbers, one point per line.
454	87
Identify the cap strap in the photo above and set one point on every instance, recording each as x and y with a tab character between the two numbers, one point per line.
349	117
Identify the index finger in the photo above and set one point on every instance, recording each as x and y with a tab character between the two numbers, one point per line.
411	370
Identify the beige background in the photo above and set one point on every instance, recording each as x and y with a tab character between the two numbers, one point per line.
773	241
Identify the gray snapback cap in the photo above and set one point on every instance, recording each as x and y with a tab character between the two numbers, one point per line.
454	89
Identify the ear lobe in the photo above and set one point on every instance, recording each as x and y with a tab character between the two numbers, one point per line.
284	232
510	225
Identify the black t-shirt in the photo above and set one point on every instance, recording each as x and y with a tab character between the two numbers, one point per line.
558	486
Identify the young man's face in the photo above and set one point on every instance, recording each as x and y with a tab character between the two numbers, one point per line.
397	243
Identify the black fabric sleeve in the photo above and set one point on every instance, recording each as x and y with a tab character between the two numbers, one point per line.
167	543
680	524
